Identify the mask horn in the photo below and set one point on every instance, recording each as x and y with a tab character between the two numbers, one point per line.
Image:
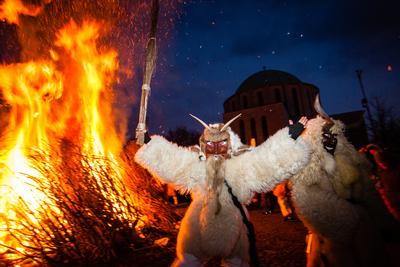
201	122
320	110
229	122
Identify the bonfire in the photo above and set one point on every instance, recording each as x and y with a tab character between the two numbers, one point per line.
70	192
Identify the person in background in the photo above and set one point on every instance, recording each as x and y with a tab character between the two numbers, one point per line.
268	202
170	194
385	173
282	193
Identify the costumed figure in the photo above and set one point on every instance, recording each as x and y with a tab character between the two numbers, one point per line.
386	176
336	200
282	193
222	179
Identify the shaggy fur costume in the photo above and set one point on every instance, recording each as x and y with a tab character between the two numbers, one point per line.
212	225
336	200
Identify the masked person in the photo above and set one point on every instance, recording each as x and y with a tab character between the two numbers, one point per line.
336	200
222	177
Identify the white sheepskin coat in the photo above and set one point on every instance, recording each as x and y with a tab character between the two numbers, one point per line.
203	233
336	200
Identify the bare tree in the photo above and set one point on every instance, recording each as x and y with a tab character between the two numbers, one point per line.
385	126
183	137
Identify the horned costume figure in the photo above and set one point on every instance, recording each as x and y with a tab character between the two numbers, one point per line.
336	200
222	179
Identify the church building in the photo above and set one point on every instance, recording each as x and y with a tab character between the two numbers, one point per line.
267	100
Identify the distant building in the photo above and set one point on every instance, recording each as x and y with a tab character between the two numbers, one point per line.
269	98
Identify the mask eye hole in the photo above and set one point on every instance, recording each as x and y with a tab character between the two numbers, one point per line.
209	143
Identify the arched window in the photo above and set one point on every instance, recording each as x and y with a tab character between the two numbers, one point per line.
278	97
296	102
253	128
264	125
311	98
244	99
242	132
309	107
260	98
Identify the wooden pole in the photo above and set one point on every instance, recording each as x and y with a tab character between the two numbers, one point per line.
151	57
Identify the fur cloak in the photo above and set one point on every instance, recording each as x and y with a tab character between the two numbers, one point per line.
204	232
336	200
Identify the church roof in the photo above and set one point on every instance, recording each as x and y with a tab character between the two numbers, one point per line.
264	77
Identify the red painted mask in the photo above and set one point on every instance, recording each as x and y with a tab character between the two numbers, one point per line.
217	148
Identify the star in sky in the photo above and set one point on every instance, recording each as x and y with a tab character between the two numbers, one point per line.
218	44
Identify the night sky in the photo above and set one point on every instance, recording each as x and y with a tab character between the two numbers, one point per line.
216	45
208	48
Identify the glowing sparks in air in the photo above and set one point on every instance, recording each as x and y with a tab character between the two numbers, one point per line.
61	131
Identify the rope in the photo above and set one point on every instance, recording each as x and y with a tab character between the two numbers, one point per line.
250	229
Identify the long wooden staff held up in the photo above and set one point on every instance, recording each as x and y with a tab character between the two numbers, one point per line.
151	56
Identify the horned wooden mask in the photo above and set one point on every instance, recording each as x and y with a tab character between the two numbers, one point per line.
215	139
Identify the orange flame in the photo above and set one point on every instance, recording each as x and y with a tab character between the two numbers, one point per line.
11	9
68	95
91	74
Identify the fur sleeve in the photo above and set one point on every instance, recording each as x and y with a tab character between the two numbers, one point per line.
275	160
326	213
171	163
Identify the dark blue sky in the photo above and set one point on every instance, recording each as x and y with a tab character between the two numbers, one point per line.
207	51
218	44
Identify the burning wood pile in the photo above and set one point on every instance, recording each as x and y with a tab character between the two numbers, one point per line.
87	215
69	193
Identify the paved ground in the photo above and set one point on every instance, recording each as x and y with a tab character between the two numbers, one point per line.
279	243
